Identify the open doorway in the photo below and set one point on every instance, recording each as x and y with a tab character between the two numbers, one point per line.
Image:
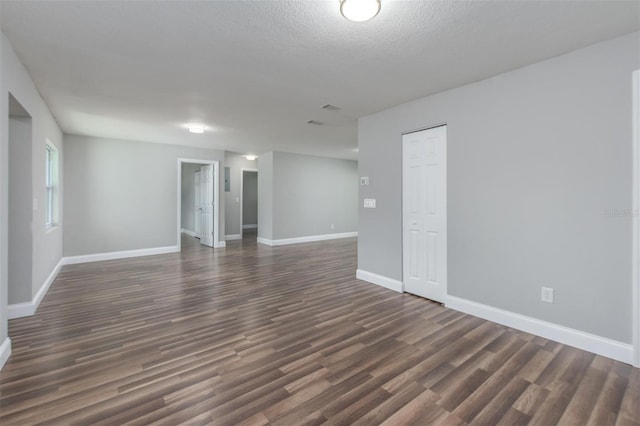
198	205
249	203
21	205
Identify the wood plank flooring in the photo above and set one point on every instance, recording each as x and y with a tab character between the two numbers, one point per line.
257	335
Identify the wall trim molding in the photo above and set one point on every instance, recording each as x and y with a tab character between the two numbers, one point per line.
188	232
250	226
27	309
380	280
219	244
308	239
233	237
5	351
20	310
589	342
265	241
98	257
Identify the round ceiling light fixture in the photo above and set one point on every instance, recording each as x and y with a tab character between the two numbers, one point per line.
196	127
359	10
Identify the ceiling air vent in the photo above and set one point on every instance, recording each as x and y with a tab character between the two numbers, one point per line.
330	107
315	123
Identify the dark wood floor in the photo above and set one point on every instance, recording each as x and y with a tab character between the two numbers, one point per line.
285	335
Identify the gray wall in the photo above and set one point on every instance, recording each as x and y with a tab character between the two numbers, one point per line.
250	198
188	196
47	245
121	195
310	194
236	162
265	195
20	210
536	158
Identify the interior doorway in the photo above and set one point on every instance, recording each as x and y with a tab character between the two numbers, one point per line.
21	204
249	202
198	201
424	213
636	219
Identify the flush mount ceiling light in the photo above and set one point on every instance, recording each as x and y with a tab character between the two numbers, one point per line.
196	127
359	10
251	157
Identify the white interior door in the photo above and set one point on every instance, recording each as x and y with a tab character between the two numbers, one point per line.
196	179
206	205
424	213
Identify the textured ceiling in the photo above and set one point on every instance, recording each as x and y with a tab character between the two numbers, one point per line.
256	71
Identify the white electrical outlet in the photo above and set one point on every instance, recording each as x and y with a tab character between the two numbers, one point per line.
332	226
546	295
369	203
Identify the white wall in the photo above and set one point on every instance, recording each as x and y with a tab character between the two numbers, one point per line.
265	195
307	195
121	195
47	245
538	158
236	162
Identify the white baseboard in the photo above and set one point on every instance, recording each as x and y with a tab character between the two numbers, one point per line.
251	226
26	309
380	280
45	287
264	241
233	237
72	260
19	310
188	232
5	352
308	239
589	342
220	244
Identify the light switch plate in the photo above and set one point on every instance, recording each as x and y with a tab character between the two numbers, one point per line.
364	180
546	295
369	203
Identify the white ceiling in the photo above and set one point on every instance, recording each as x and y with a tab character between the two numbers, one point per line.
256	71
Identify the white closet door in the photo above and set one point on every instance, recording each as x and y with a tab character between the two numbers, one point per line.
198	230
424	211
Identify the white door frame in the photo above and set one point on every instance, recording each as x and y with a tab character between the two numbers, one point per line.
635	213
216	199
445	283
242	196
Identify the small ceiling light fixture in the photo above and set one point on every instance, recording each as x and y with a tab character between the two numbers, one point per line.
251	157
359	10
196	127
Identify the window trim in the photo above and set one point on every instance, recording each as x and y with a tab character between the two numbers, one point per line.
50	185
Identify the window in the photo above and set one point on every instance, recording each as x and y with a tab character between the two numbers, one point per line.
51	169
